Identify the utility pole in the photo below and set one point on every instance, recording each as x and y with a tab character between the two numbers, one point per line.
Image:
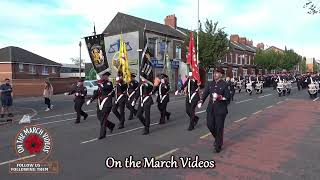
80	60
198	35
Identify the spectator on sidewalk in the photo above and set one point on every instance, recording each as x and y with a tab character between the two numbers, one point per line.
6	98
47	94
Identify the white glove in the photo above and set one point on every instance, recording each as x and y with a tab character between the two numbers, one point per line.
133	103
77	94
199	105
88	102
176	93
66	94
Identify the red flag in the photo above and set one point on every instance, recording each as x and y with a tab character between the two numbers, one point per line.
192	59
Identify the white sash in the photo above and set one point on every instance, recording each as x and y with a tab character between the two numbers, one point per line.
119	98
144	100
163	98
102	103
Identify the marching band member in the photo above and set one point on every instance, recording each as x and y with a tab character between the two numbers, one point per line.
231	86
163	97
145	102
120	100
192	89
131	95
104	103
217	108
80	93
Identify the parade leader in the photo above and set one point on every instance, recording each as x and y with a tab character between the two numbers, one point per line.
217	110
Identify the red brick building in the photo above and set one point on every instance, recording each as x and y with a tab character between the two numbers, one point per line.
17	63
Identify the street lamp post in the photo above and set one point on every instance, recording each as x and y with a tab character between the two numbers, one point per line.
80	60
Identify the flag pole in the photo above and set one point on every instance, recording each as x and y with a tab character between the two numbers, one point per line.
198	23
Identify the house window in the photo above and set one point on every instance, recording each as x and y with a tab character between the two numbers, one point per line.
152	47
32	69
54	70
234	72
236	59
230	59
253	71
20	67
245	72
178	51
225	71
45	70
210	75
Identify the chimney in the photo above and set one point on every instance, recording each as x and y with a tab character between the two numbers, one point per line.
243	40
171	20
249	43
260	46
234	38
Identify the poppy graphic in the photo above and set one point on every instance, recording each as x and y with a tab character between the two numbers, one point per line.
33	144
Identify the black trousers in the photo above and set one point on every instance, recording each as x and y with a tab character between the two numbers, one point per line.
215	123
47	102
78	108
191	111
131	108
163	111
119	114
104	122
146	110
232	92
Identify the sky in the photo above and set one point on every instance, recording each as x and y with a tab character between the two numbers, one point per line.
54	28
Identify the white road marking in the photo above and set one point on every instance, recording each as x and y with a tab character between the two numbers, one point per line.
257	112
58	115
123	132
206	135
10	161
199	112
287	99
240	119
51	122
279	102
316	99
269	107
243	101
265	95
167	153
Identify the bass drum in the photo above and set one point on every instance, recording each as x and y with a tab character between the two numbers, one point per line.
249	88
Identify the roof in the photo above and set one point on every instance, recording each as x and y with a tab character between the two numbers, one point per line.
71	66
124	22
242	47
275	48
19	55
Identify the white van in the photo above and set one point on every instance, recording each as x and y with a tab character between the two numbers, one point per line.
91	86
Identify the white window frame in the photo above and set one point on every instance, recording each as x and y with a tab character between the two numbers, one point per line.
21	68
236	58
253	71
210	74
32	69
249	60
231	57
234	72
245	72
178	56
45	70
53	70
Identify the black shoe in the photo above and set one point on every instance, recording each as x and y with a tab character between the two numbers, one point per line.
101	137
145	131
130	118
77	122
168	116
10	115
218	149
190	128
85	117
121	126
2	116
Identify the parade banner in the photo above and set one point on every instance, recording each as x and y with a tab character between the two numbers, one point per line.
96	49
146	72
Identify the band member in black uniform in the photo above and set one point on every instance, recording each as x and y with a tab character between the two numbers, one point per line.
231	86
104	97
145	102
163	97
120	100
80	93
132	92
192	88
217	108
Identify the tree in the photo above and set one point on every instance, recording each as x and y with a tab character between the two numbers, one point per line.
76	61
303	65
315	67
92	75
289	59
267	59
312	7
213	44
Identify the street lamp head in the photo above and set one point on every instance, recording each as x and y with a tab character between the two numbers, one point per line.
80	43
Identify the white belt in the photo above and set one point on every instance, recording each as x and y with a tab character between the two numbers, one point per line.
163	98
192	96
102	103
119	98
144	100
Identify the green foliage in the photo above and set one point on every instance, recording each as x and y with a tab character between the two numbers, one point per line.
315	67
92	75
312	7
213	44
303	65
272	60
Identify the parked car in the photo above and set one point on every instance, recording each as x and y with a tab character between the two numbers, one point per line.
91	86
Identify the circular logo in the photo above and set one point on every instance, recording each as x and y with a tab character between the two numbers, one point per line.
33	142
